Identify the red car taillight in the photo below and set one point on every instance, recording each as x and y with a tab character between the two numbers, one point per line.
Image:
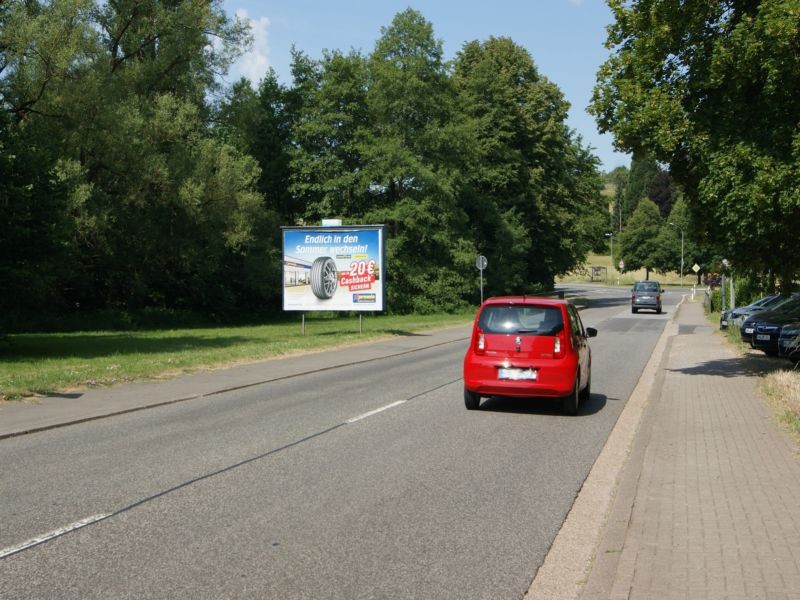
480	342
559	344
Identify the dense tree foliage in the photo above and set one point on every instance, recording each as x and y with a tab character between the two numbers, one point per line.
647	180
711	89
661	190
108	104
618	179
643	170
639	242
130	179
535	193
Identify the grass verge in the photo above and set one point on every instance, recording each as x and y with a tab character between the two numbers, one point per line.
612	276
48	363
782	389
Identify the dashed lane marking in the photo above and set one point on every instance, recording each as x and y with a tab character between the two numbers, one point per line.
376	411
53	534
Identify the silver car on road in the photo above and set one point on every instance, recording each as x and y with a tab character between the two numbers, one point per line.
646	294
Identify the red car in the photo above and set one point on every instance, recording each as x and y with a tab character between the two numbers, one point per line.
529	346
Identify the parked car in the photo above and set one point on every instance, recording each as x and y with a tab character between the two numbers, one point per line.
750	324
527	346
768	329
739	315
735	316
789	341
646	294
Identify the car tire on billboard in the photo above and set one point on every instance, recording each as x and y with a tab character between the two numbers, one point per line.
324	277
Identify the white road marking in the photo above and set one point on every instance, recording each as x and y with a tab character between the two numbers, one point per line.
376	411
53	534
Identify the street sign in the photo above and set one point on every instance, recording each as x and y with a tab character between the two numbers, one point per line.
481	263
695	267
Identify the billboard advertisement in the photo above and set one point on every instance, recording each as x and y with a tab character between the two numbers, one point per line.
333	268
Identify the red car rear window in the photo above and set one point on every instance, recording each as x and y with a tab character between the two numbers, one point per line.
521	319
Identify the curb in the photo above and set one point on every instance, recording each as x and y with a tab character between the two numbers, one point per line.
21	432
569	561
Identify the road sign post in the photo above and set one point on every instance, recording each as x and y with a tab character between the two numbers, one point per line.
481	262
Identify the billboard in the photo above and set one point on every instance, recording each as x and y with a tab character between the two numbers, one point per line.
333	268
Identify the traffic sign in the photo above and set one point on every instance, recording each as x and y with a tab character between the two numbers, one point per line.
481	262
695	267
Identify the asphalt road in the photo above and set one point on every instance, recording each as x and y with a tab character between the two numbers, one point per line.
300	489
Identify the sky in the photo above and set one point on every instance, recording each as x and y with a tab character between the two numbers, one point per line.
564	37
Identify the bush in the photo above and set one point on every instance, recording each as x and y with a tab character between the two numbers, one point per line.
748	289
713	300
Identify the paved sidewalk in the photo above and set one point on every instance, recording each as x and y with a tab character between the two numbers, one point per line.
708	503
17	418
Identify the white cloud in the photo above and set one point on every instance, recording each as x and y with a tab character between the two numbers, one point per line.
254	63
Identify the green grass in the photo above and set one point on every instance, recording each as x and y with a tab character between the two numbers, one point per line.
791	420
45	363
626	278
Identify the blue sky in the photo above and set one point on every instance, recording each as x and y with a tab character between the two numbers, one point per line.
564	37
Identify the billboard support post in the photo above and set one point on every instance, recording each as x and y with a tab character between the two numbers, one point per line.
303	323
360	323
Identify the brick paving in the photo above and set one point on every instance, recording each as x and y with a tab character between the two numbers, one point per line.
713	500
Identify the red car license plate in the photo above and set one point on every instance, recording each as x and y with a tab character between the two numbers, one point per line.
516	374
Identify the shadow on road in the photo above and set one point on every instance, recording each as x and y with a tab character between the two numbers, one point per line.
607	302
541	406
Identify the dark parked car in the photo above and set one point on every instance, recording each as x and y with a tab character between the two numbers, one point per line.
764	327
526	346
768	331
789	341
646	294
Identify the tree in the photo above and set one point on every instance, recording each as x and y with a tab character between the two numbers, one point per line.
667	254
327	155
619	179
638	243
710	88
142	185
643	169
260	123
111	101
36	258
660	190
411	166
525	167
